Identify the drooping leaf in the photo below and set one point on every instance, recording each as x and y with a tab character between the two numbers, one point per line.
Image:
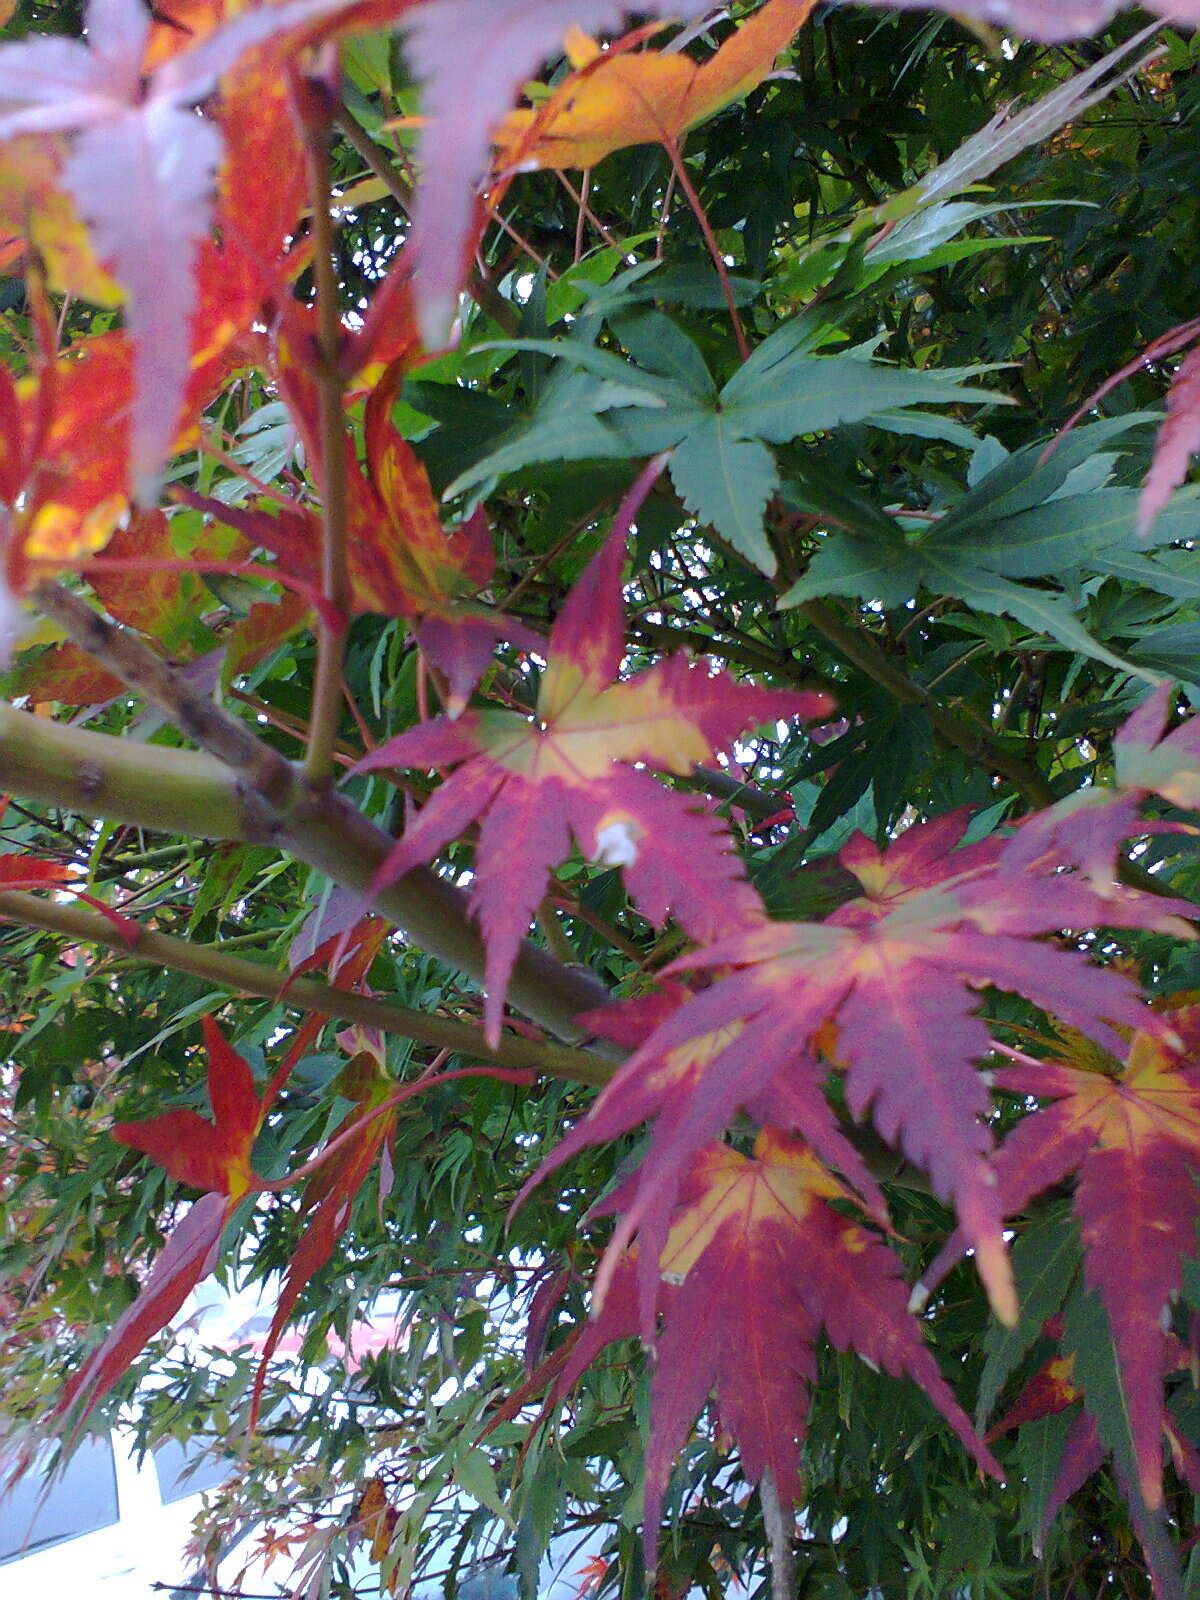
141	170
188	1256
1133	1140
757	1261
329	1195
472	57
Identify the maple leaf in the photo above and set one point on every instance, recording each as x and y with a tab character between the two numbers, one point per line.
888	987
141	171
679	1087
568	769
327	1200
21	871
472	57
756	1263
1178	440
619	99
402	560
1131	1136
1147	761
213	1156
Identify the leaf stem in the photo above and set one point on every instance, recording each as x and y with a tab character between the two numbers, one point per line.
335	565
710	239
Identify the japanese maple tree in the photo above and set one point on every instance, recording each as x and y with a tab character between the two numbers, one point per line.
598	755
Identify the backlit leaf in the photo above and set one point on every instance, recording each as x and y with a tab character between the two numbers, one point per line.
645	97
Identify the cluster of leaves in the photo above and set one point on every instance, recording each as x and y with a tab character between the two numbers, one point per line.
739	645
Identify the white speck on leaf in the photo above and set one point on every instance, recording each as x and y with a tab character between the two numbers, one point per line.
616	845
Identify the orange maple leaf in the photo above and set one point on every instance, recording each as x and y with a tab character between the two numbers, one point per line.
618	99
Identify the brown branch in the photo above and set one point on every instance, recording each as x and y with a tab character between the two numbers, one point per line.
197	716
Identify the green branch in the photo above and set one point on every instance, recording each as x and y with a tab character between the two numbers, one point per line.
301	994
147	786
96	775
197	716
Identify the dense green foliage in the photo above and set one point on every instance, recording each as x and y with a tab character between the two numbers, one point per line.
981	652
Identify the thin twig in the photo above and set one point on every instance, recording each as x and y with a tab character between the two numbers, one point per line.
335	565
954	728
710	239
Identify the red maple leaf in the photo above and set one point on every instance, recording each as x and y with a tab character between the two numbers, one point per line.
1051	1390
213	1156
141	170
569	768
403	561
757	1261
888	987
1178	440
329	1195
1131	1136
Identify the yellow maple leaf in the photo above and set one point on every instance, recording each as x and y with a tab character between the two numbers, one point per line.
614	100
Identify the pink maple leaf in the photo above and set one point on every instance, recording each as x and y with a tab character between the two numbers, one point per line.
572	767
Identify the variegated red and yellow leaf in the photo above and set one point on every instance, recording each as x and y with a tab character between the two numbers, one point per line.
756	1262
568	766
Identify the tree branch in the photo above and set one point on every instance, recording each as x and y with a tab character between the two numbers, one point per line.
955	728
197	716
97	775
301	994
147	786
